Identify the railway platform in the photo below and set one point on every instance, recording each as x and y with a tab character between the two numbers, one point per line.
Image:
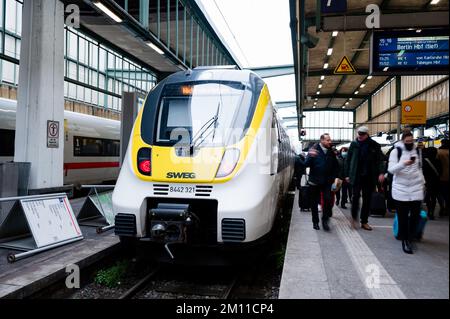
28	276
345	263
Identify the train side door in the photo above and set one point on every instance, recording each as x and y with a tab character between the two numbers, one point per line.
275	138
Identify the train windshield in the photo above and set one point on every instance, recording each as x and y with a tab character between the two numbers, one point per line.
203	113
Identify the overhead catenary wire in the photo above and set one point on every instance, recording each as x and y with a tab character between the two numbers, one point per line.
232	33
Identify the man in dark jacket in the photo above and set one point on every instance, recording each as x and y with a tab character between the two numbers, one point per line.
323	171
363	168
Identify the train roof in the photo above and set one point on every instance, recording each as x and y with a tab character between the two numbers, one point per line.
215	73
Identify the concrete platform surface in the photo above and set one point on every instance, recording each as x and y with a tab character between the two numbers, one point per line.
29	275
357	264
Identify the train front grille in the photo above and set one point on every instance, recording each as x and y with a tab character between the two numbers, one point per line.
203	190
200	190
233	230
160	189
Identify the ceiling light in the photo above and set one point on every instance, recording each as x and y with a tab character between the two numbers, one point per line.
343	107
320	86
325	66
322	78
362	85
315	103
419	30
346	103
356	92
314	107
385	69
318	92
154	47
434	1
317	99
111	14
350	99
369	77
330	51
335	33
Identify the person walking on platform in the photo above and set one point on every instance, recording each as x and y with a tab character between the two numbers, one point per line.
344	194
323	172
363	169
407	188
299	171
431	168
442	157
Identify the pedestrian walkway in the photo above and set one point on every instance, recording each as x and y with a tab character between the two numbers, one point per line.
358	264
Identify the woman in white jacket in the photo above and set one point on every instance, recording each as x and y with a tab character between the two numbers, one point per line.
408	187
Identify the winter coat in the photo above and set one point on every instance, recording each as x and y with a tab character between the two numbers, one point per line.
324	168
375	165
442	157
408	183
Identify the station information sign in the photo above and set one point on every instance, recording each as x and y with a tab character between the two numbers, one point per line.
410	52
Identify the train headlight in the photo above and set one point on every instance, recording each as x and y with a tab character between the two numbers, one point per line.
229	160
144	161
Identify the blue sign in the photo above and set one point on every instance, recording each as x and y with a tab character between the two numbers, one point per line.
334	6
409	52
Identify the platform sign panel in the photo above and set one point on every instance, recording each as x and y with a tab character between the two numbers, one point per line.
345	67
414	112
52	134
51	220
103	202
334	6
409	52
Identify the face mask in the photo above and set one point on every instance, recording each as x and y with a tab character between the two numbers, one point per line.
409	146
344	154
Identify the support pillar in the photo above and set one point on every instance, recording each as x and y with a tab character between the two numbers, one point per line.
41	93
398	102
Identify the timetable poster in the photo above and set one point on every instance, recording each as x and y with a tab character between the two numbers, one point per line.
51	220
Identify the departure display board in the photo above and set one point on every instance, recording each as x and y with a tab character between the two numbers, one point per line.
410	52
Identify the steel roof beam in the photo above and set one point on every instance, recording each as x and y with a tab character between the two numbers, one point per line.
387	21
339	96
330	72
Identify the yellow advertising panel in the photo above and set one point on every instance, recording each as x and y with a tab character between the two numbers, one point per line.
414	112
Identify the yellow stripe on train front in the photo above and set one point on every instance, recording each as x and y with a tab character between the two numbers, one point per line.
202	167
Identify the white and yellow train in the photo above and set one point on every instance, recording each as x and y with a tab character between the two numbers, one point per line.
207	164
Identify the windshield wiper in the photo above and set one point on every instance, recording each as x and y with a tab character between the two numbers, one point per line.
212	121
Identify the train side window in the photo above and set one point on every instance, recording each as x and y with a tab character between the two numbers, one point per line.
7	142
91	146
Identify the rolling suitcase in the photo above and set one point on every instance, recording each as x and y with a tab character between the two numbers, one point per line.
378	204
303	198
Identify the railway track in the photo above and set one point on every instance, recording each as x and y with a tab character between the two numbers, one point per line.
156	283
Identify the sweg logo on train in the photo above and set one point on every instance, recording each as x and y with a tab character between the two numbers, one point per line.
180	175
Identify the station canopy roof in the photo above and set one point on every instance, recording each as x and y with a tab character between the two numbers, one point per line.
345	34
119	24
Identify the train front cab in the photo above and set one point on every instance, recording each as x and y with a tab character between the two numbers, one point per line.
209	191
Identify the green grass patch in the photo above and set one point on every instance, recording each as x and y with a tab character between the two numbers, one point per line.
112	276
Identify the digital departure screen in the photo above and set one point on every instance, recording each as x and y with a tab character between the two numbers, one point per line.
410	52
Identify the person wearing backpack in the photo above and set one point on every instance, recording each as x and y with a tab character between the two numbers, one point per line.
408	187
431	167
